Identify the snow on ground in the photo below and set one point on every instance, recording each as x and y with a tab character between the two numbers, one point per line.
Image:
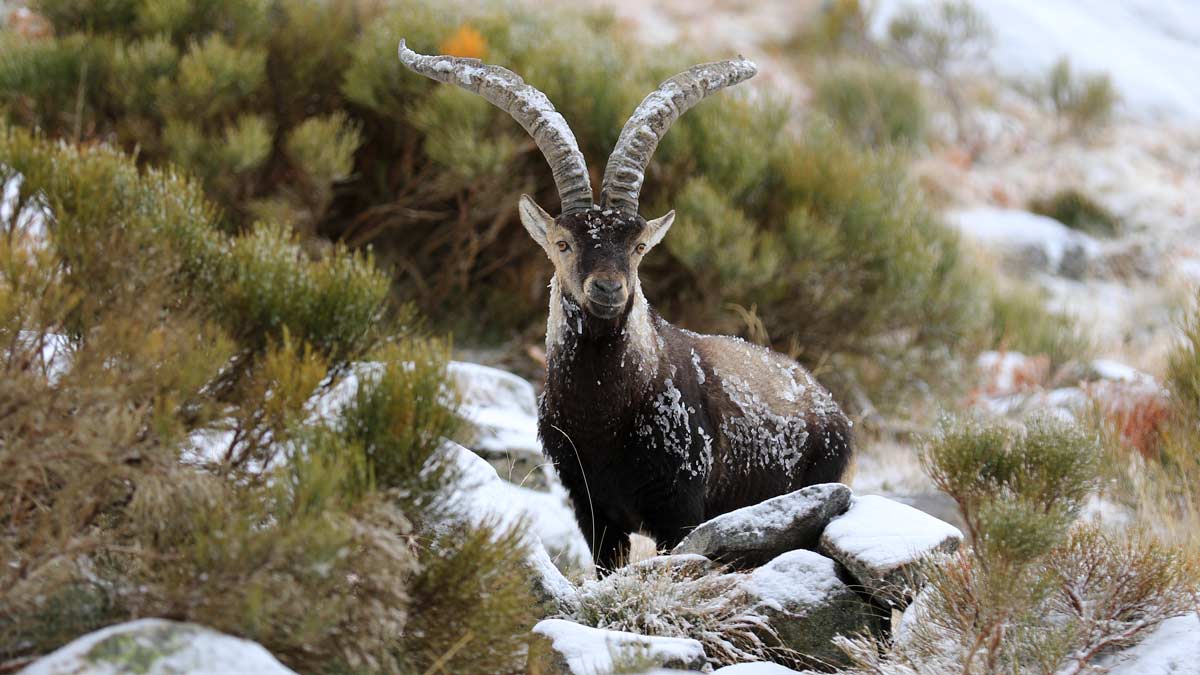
502	411
481	491
1150	47
884	534
755	669
590	651
1172	649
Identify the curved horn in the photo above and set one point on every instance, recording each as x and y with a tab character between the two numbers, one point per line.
528	106
626	169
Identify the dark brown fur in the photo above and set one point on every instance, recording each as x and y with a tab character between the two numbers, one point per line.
634	461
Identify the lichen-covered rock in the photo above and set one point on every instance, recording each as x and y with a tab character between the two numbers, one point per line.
882	543
499	406
755	534
158	647
561	647
807	604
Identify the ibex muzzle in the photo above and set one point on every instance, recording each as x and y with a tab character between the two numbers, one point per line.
650	427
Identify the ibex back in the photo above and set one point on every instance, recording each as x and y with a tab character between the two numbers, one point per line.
651	428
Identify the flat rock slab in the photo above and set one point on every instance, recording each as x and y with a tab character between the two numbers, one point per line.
883	542
805	601
561	647
158	647
753	535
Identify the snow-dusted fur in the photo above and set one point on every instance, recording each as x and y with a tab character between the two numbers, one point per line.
656	429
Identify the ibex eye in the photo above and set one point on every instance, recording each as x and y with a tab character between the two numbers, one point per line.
563	246
641	248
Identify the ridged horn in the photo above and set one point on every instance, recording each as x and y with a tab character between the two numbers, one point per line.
528	106
626	169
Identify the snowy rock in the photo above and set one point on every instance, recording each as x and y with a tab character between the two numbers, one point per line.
882	543
804	600
501	410
755	534
503	414
501	407
1029	242
1172	649
1108	369
481	496
758	669
561	647
158	647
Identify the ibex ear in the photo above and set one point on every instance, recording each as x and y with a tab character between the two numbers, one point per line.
535	220
658	227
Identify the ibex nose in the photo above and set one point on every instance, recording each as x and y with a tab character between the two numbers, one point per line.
606	286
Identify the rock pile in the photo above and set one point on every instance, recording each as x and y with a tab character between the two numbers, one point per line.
813	564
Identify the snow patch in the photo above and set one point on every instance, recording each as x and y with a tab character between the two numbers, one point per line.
500	406
590	651
159	647
1172	649
482	496
886	534
761	668
795	578
1151	48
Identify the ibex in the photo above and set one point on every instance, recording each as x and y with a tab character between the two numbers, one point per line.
652	428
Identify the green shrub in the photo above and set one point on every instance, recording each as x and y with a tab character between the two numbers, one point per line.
1021	322
305	535
475	607
1084	103
1034	591
1162	488
876	106
1077	211
307	118
1017	490
939	40
953	32
855	271
839	27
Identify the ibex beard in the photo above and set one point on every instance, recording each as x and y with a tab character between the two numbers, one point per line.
651	428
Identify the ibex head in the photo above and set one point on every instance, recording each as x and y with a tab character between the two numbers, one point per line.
595	247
